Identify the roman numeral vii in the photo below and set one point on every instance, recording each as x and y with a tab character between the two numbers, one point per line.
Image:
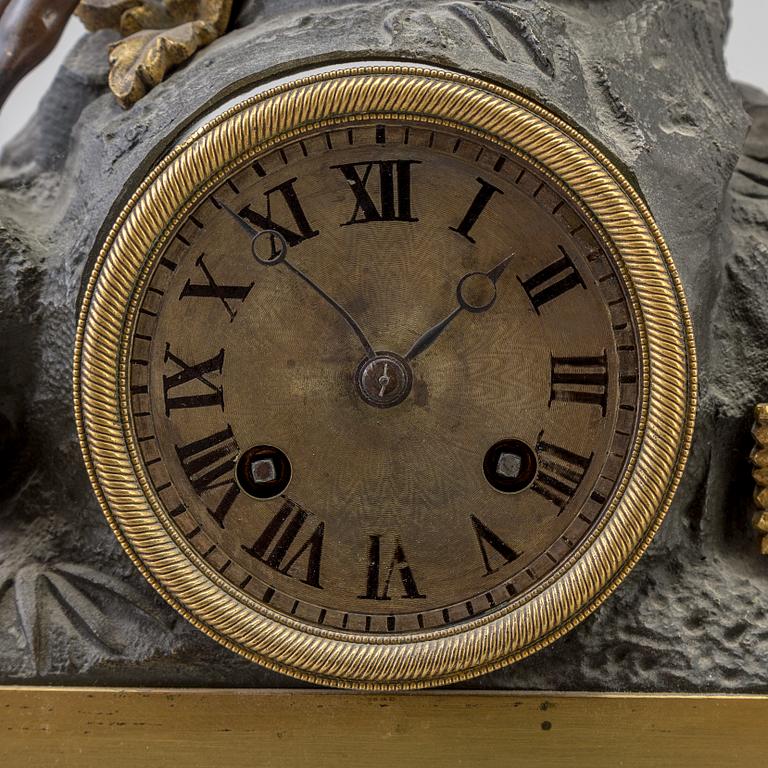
291	543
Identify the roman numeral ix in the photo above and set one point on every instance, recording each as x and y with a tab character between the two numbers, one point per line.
287	193
212	290
209	463
552	281
379	578
197	372
275	547
560	473
580	380
393	179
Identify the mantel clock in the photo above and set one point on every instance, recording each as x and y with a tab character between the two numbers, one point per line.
384	376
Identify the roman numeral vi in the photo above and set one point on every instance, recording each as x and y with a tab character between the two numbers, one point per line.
379	579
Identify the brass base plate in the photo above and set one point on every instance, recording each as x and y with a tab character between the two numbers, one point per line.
192	727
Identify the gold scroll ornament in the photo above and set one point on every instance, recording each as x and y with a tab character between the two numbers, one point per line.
759	459
157	36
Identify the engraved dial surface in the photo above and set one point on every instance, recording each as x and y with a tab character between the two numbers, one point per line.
385	378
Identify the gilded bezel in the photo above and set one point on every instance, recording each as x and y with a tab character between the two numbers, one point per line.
450	654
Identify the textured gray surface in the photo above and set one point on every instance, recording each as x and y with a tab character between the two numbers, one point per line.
645	80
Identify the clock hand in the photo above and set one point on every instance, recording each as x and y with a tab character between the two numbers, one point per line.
430	336
280	258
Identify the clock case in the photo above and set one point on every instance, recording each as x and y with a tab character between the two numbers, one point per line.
577	74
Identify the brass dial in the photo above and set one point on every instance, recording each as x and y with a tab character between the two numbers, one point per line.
383	304
384	377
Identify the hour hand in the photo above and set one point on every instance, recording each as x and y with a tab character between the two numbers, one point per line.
475	293
279	256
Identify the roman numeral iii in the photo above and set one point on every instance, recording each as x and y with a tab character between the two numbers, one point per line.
199	374
560	473
580	380
279	547
209	463
299	231
382	190
552	281
379	576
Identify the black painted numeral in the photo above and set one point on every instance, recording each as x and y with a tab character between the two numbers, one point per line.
560	472
477	206
380	574
495	551
285	529
394	190
552	281
209	463
580	380
212	290
195	372
287	193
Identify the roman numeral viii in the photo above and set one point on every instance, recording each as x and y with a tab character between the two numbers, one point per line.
210	289
209	463
287	194
279	548
197	373
560	473
379	578
552	281
392	181
580	380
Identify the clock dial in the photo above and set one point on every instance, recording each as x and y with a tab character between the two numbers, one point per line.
385	378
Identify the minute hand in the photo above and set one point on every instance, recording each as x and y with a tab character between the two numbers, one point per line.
430	336
254	233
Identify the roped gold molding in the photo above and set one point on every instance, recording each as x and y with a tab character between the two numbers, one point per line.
411	95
